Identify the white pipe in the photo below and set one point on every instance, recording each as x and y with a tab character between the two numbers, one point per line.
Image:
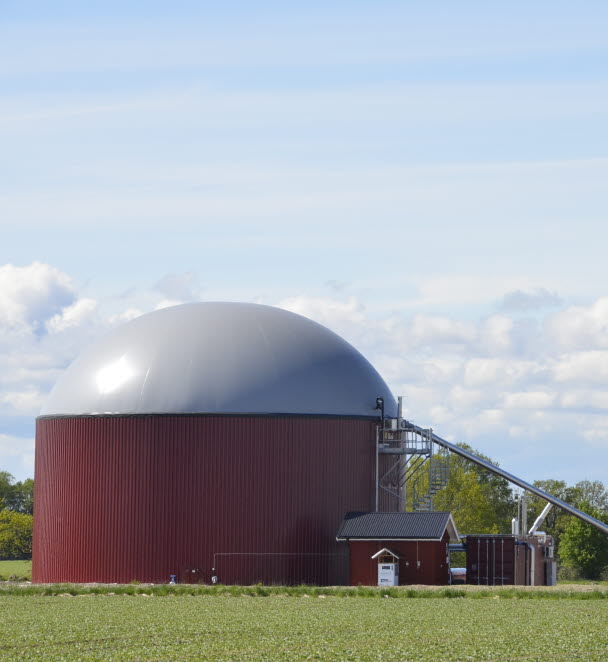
540	519
532	555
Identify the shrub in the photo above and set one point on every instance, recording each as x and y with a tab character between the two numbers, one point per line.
568	574
15	535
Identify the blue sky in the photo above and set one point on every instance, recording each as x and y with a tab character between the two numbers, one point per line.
428	179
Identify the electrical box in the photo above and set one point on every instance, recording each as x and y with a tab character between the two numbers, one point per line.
388	574
550	573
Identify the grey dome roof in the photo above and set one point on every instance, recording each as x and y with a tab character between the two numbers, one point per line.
220	358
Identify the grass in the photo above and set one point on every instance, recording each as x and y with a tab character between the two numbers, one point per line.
142	626
263	591
585	582
22	570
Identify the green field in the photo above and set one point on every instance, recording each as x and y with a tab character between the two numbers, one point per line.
144	627
19	569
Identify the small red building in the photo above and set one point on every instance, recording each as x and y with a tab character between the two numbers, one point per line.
418	543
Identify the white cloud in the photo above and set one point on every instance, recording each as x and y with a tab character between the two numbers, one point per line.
346	317
17	455
496	334
72	316
325	310
580	327
529	400
590	367
493	371
26	401
428	330
520	301
464	399
597	436
31	295
584	399
459	289
179	287
125	316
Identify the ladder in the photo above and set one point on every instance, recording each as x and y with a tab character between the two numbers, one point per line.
417	470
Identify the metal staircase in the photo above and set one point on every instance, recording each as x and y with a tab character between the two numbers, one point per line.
434	479
411	468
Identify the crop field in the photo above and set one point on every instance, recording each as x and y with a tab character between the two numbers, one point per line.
142	626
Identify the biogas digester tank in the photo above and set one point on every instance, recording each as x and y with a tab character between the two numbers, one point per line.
206	440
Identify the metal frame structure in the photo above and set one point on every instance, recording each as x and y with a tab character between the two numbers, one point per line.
414	460
414	446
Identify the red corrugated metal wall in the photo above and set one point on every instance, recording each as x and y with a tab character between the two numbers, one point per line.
420	562
140	497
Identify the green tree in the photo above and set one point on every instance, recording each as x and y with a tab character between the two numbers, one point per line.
592	493
480	501
15	535
583	546
584	495
6	486
22	499
16	496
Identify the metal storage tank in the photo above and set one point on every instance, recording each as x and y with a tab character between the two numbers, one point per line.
206	440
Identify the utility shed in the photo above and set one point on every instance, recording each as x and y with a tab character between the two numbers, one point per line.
419	541
510	560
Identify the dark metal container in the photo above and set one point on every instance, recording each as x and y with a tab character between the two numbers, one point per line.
501	560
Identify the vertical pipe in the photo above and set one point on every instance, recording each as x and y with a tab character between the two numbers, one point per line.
532	554
377	464
524	513
402	458
432	446
487	562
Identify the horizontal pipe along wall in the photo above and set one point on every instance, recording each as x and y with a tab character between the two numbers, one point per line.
122	498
